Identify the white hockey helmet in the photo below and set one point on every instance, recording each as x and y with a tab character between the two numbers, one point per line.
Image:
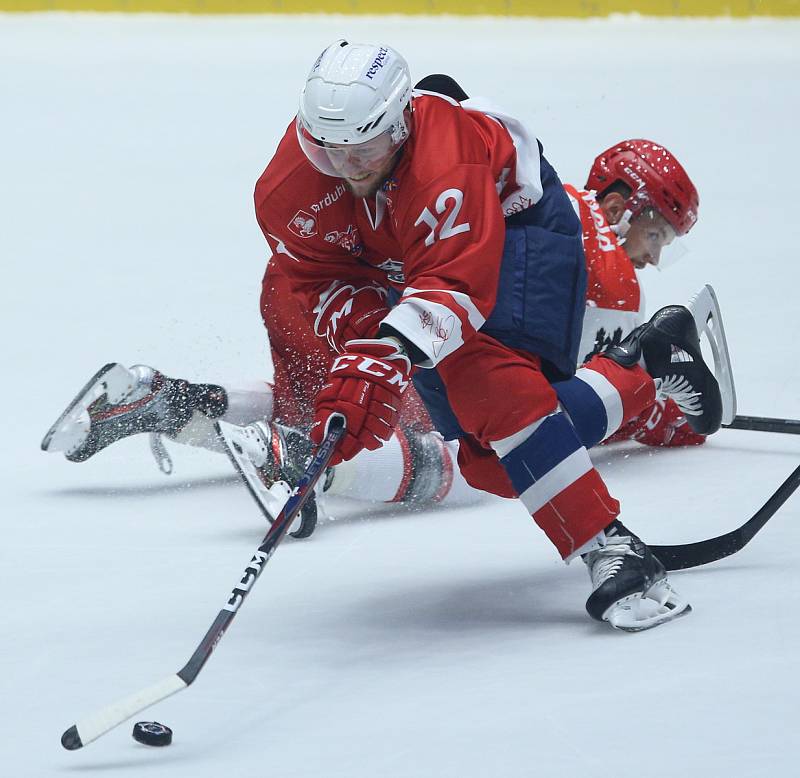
355	97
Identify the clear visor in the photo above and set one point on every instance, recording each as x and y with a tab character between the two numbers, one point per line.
671	253
350	160
650	239
666	248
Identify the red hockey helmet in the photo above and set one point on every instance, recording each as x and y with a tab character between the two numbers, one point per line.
655	177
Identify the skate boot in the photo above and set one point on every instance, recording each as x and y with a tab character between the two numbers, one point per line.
271	458
630	589
670	348
118	402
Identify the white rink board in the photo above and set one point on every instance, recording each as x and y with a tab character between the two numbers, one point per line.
449	643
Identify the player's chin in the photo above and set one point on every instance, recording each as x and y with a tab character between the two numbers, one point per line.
366	186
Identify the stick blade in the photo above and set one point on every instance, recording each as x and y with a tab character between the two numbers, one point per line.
703	552
90	728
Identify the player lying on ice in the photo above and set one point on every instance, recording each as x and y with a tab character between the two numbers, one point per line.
416	466
484	310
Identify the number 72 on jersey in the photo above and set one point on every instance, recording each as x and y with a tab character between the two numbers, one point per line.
447	228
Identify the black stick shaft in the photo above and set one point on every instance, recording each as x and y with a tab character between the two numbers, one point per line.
262	555
684	556
765	424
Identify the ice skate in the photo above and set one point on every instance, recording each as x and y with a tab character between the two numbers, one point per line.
118	402
670	348
630	589
271	459
708	318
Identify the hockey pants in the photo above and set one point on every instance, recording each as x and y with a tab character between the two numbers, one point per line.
528	438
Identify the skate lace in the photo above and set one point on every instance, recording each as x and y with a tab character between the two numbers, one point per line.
607	561
678	389
160	453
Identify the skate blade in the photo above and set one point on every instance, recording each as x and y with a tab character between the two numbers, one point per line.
270	499
638	612
73	426
708	318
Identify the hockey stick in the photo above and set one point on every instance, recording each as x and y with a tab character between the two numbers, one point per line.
765	424
92	727
684	556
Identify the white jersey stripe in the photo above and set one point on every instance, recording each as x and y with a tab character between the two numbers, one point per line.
528	170
507	445
475	317
563	475
432	327
609	396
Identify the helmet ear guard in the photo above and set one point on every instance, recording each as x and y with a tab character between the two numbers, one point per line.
655	178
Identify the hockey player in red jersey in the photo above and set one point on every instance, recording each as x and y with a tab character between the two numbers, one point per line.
615	240
454	258
419	259
623	231
637	200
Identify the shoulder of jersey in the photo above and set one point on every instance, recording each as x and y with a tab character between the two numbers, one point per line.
591	215
586	196
443	135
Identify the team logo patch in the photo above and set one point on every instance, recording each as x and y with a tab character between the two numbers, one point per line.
603	341
348	239
303	224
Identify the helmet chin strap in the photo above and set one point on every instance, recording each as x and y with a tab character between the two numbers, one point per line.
620	229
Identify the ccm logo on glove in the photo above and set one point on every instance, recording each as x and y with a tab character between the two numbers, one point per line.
372	367
365	385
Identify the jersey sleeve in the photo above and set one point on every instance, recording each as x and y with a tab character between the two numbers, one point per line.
452	233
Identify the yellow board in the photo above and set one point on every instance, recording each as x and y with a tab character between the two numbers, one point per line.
541	8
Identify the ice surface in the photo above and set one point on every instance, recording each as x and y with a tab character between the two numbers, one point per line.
449	643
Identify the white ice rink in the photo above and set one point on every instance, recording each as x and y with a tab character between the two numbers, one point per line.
447	644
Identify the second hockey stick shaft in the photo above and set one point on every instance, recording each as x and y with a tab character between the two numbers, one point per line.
765	424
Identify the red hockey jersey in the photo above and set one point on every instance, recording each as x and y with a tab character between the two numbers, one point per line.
614	300
435	232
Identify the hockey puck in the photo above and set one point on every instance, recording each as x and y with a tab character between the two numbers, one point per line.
151	733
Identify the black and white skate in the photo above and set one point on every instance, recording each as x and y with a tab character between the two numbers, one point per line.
271	459
670	348
118	402
630	589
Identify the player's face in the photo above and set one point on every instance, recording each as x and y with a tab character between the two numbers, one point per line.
649	233
366	166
